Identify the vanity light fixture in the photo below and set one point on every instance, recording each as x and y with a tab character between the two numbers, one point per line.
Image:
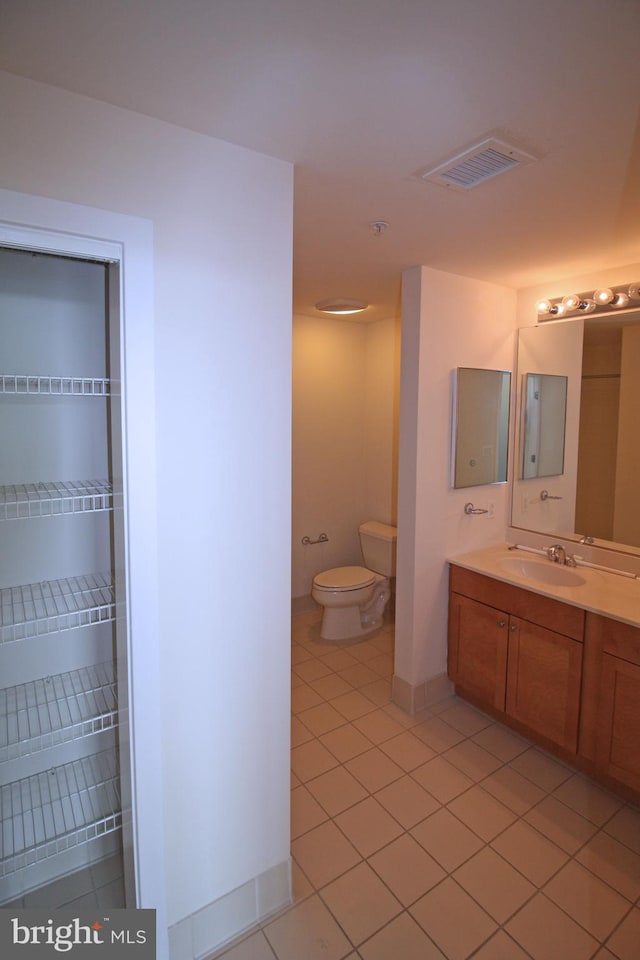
604	300
341	306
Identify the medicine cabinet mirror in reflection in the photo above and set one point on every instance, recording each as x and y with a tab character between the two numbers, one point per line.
544	411
480	426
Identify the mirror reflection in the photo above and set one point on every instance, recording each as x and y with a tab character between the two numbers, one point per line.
595	496
545	404
481	426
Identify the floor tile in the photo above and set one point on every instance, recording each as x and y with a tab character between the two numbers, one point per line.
446	839
321	719
501	742
382	664
407	869
502	947
330	686
588	799
299	654
440	912
437	734
407	751
336	790
312	669
494	884
402	939
299	733
625	827
472	759
360	902
303	697
368	826
614	863
363	652
466	719
311	759
560	824
379	692
300	884
306	813
541	769
378	726
624	941
514	790
545	932
358	675
530	852
482	813
374	769
406	720
441	779
338	660
591	903
324	853
255	947
352	705
307	930
345	742
407	801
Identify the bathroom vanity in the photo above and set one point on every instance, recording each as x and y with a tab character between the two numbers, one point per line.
554	652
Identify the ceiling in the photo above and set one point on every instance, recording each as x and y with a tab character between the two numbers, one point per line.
361	95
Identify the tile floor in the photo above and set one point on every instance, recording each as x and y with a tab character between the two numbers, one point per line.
442	835
100	885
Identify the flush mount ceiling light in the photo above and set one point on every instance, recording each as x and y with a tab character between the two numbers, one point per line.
479	163
604	300
341	306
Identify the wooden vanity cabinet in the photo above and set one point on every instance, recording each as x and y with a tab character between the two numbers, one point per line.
518	653
610	729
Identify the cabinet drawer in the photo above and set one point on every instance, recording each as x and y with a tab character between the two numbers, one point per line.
552	614
618	639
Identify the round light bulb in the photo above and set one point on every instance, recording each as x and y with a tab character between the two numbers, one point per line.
620	300
634	291
588	305
603	295
571	301
543	306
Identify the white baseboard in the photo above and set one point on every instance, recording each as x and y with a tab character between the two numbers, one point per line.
213	927
415	697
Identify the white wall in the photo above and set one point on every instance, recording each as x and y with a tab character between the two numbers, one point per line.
345	421
447	321
223	373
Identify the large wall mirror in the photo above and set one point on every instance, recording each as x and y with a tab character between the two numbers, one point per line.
595	494
480	434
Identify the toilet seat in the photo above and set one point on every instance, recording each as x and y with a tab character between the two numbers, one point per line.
344	579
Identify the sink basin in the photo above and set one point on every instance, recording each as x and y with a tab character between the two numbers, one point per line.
544	571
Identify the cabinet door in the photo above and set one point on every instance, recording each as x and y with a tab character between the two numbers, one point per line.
543	681
618	754
478	649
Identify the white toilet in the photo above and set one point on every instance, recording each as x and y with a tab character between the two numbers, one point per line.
354	598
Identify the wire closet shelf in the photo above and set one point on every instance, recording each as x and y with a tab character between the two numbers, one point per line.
35	609
60	808
67	706
23	384
54	498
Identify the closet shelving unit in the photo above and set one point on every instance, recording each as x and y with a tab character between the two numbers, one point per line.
59	760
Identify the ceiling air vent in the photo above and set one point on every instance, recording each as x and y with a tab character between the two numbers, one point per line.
477	164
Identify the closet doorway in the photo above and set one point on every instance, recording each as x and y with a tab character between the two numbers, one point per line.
64	752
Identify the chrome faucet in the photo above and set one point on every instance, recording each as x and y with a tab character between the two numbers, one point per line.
558	554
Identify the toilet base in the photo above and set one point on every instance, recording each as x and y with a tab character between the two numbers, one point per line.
350	622
344	623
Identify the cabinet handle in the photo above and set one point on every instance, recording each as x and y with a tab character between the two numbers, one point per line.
514	626
502	623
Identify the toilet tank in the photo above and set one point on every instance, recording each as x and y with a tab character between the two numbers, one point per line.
378	542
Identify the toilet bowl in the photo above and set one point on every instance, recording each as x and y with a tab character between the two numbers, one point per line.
354	598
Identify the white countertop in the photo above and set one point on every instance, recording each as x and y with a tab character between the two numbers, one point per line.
605	593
